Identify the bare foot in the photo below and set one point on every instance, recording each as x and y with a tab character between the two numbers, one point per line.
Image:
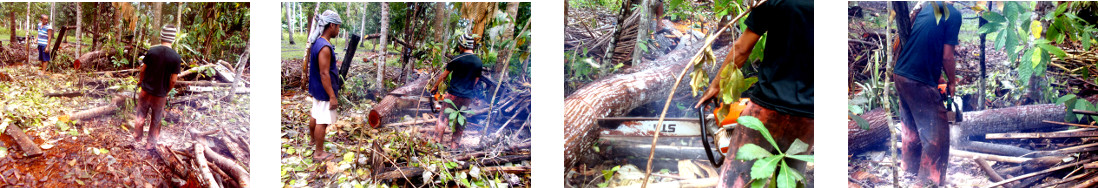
321	156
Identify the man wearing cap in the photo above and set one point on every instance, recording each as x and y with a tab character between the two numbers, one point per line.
158	75
464	71
323	81
45	34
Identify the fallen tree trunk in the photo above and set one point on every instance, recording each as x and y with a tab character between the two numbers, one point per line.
617	95
975	124
101	110
100	58
859	139
401	98
30	149
174	163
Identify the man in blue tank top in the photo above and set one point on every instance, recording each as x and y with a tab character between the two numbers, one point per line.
323	82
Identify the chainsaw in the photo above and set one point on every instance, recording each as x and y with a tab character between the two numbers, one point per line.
953	108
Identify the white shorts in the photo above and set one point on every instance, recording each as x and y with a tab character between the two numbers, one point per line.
321	113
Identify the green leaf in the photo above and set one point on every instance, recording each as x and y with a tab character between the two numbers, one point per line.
786	177
751	152
758	184
797	147
461	120
862	123
855	109
989	28
993	17
1035	57
1081	104
764	168
754	123
806	158
1052	49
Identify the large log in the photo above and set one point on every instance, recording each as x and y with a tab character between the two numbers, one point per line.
859	139
30	149
975	124
203	167
401	98
617	95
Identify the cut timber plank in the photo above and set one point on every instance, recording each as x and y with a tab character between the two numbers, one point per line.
30	149
1041	135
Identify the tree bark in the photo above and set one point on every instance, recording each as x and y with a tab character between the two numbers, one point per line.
362	25
617	95
101	110
975	124
401	98
76	38
508	33
380	84
235	170
203	167
156	25
27	41
289	22
30	149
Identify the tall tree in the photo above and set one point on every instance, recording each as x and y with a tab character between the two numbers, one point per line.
508	33
27	40
79	16
290	22
362	27
480	13
380	86
441	29
157	17
312	26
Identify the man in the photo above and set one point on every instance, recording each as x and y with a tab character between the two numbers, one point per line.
783	96
928	52
158	76
45	35
323	81
464	71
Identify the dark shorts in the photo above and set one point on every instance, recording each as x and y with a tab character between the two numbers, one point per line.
42	55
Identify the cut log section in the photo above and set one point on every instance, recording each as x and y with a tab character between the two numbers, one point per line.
401	98
102	110
30	149
616	96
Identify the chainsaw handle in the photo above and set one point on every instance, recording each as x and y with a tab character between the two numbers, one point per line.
705	135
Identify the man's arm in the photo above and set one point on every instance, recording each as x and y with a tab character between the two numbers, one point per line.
439	80
949	64
324	59
141	74
741	49
171	80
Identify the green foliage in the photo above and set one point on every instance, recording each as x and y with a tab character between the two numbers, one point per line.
1014	29
456	116
607	175
1072	102
767	163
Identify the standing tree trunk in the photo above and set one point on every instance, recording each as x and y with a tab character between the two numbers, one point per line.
76	38
508	33
11	27
27	40
480	13
380	85
441	28
308	44
157	17
290	23
178	23
362	26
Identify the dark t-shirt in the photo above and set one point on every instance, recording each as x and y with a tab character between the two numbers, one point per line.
785	74
315	87
160	63
464	70
921	57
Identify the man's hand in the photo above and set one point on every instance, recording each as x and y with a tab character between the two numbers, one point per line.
711	93
952	88
333	104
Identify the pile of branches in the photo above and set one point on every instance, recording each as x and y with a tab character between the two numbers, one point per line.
12	54
211	161
291	74
581	35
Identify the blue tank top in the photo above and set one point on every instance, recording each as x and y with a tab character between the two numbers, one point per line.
315	87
